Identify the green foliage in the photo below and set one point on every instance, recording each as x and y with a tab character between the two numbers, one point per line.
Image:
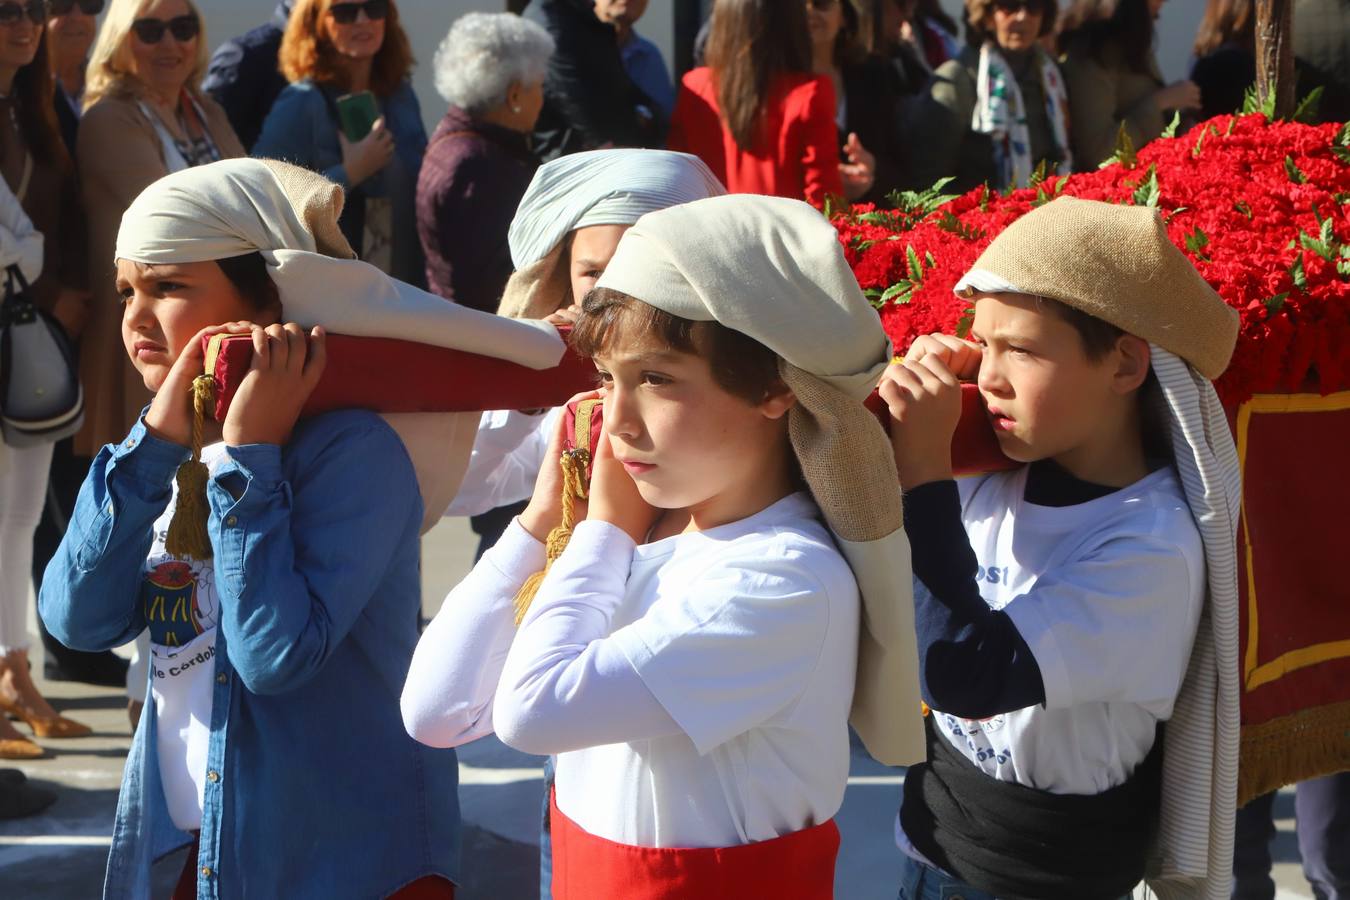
1242	207
1148	192
1171	130
1196	242
1252	103
1294	172
1038	175
965	323
1125	153
903	290
1296	272
951	224
1340	144
1309	107
1276	303
1043	196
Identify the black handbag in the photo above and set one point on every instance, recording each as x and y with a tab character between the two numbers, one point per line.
41	400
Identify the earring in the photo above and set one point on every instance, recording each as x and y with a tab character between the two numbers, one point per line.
515	109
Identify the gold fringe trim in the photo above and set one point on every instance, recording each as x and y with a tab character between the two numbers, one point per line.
1307	744
187	536
573	464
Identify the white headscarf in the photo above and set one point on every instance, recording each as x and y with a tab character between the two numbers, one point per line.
600	187
239	206
289	215
773	269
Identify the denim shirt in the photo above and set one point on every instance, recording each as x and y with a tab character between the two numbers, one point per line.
313	787
300	128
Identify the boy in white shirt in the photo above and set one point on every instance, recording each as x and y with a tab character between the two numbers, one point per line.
1062	606
693	653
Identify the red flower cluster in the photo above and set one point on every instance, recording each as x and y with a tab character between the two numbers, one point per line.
1262	209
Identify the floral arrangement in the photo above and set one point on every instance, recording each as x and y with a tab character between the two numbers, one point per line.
1260	207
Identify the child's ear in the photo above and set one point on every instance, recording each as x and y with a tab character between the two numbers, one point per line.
1132	363
777	403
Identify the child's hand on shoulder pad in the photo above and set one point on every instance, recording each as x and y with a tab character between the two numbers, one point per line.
961	357
286	367
614	496
924	399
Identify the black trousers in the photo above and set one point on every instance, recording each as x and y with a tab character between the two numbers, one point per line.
1322	816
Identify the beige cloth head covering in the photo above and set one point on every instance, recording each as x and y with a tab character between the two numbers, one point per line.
599	187
289	215
1122	268
772	269
1096	257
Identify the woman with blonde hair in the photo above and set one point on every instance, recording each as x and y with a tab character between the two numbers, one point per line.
334	49
145	116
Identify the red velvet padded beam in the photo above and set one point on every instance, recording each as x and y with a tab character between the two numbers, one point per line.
387	375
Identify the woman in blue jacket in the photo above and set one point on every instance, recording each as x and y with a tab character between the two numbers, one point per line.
334	48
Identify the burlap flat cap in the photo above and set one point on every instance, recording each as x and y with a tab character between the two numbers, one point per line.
1115	263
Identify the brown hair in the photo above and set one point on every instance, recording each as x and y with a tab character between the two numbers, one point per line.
857	37
741	365
751	41
33	88
1097	23
979	11
306	51
1226	22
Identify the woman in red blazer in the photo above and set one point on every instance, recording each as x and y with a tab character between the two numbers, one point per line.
756	114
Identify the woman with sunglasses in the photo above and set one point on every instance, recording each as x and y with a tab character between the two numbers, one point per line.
1113	77
999	109
868	107
38	172
71	27
339	49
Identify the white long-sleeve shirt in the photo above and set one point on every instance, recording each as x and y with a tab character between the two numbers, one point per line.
507	453
696	689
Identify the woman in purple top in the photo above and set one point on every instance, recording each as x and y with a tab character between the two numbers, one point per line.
490	69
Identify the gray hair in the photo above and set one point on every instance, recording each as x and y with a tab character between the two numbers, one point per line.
484	54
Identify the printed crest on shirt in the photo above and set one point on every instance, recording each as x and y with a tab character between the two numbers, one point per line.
178	600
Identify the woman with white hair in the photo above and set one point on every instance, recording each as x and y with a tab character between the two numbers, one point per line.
490	69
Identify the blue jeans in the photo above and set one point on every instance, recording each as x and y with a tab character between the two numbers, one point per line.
1322	817
923	882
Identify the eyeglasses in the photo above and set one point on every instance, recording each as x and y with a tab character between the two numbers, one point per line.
12	13
1033	7
151	31
345	13
63	7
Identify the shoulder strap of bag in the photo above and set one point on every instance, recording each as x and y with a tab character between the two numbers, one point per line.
25	178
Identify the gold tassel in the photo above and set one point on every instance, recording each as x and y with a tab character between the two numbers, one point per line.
188	537
573	464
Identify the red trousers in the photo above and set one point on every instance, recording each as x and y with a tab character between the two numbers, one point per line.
798	865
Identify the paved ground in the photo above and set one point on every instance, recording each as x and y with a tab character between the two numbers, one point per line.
60	855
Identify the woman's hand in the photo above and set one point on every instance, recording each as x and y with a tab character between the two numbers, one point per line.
368	155
285	369
961	357
170	415
1180	95
860	172
924	399
71	309
544	511
615	498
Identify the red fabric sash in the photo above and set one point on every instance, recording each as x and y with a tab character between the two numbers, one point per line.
585	867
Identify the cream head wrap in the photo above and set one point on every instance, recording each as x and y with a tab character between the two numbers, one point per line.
600	187
289	215
1116	263
772	269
